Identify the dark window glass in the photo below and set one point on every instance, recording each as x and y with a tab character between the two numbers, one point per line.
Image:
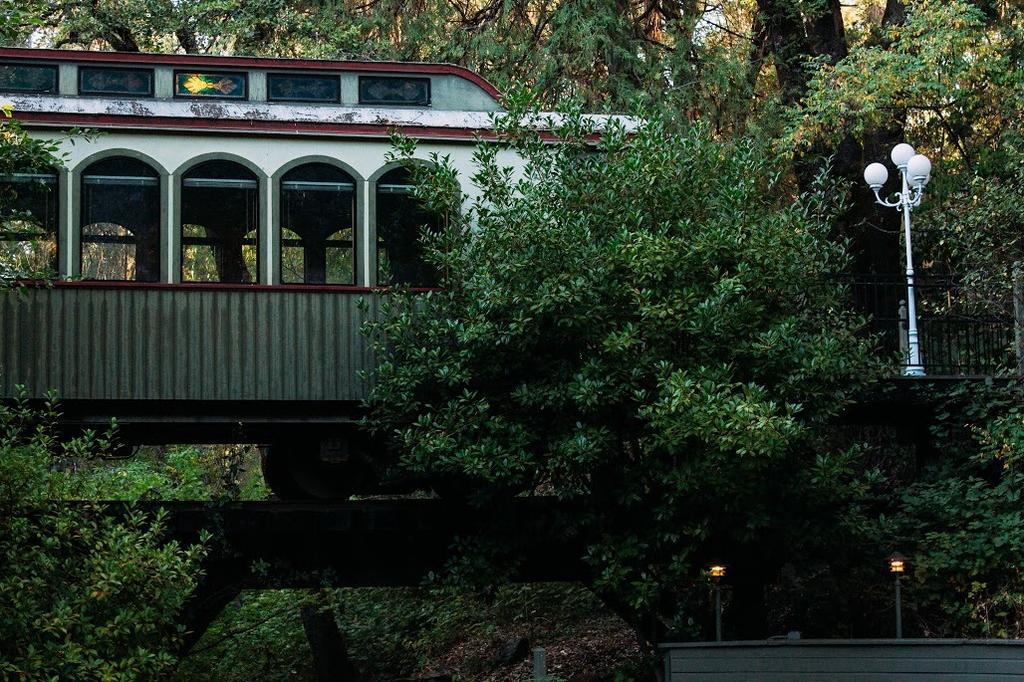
28	78
120	222
394	90
219	223
317	224
289	88
94	80
401	219
28	224
198	84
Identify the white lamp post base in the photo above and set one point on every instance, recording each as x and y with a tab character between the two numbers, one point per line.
913	371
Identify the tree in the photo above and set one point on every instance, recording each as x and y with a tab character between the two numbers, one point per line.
646	325
942	76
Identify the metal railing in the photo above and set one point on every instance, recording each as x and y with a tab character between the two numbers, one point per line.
961	332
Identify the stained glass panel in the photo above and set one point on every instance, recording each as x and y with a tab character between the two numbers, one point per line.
28	78
220	85
103	81
394	90
283	87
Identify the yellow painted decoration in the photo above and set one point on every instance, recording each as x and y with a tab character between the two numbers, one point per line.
198	84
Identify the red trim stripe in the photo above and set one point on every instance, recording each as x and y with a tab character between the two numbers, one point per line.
128	58
244	125
215	286
190	125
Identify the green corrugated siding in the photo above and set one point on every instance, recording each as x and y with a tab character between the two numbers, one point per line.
846	661
183	344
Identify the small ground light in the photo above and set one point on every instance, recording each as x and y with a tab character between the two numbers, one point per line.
716	572
897	566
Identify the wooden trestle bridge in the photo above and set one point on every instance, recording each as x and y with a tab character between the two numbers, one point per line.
367	543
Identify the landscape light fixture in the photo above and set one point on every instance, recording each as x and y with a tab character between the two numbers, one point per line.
716	572
898	566
915	172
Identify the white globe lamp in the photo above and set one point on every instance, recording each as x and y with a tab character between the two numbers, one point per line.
919	169
901	153
875	175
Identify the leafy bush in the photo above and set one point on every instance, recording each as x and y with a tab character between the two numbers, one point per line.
644	324
964	520
83	595
176	472
259	636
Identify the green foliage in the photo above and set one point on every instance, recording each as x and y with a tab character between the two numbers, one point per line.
21	153
964	522
946	76
18	19
978	230
643	324
259	636
83	595
177	472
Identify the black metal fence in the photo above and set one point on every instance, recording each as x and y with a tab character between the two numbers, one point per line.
960	332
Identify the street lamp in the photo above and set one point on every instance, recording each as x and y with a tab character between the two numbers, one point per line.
897	566
915	171
716	572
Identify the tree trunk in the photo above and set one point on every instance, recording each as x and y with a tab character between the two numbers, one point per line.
330	655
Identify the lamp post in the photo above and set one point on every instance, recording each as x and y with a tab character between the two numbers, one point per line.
915	171
716	572
897	565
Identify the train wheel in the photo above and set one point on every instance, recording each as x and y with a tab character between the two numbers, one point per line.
315	470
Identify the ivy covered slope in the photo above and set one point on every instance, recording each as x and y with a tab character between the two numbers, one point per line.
645	324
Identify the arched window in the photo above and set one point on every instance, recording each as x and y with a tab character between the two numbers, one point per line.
317	225
219	223
400	222
120	221
28	223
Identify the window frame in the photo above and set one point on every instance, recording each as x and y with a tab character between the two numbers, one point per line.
150	72
298	100
158	179
406	189
179	223
279	227
58	205
52	68
385	103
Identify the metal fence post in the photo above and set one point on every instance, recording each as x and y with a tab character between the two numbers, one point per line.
1018	315
540	664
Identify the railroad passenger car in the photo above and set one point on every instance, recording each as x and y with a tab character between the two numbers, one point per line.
212	239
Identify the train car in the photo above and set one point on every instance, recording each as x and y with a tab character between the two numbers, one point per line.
213	234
